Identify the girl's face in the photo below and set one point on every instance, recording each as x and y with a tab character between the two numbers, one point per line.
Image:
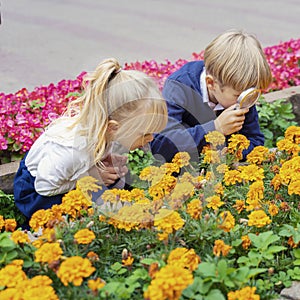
135	141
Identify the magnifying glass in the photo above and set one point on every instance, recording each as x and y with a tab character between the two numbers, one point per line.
248	98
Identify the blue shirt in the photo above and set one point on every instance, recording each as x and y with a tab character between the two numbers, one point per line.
190	119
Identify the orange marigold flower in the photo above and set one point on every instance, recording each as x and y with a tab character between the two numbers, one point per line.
244	293
227	221
276	182
211	157
258	155
194	209
236	144
2	222
128	261
258	218
181	159
74	202
214	202
96	284
92	256
11	275
291	242
251	173
215	138
168	283
40	218
48	253
168	221
221	248
239	205
185	258
74	269
222	168
20	237
170	168
10	225
246	242
273	209
294	187
84	236
232	177
289	147
292	133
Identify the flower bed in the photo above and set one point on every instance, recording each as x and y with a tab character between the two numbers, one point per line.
232	232
24	114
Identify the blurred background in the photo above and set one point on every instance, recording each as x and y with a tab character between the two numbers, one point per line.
45	41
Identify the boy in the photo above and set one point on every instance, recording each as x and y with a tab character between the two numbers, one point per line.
202	96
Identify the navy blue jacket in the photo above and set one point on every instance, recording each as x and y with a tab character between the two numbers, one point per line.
190	119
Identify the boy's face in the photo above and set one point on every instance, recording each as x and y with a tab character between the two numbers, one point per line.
226	96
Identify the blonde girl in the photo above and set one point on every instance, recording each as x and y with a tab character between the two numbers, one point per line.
123	107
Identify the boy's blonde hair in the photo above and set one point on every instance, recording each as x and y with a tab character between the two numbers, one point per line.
120	95
236	59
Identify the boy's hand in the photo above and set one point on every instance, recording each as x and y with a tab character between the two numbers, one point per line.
114	167
231	120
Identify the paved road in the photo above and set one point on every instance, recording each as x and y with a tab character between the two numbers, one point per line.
44	41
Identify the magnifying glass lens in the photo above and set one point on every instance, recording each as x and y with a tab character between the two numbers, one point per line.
248	98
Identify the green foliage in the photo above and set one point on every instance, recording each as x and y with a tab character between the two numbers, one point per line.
9	209
274	118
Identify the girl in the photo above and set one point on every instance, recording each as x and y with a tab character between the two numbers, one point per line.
122	107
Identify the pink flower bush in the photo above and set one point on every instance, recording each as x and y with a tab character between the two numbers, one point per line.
24	115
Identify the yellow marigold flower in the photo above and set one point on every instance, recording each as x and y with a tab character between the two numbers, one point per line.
185	258
37	243
48	253
211	157
87	185
222	168
20	237
92	256
232	177
168	283
2	222
255	195
128	261
163	236
111	196
84	236
194	209
251	173
258	155
74	202
219	189
276	182
292	133
236	144
17	262
11	275
221	248
74	269
214	202
215	138
182	191
294	187
258	218
239	205
288	146
151	172
138	195
246	242
38	287
245	293
273	209
40	218
170	168
168	221
227	221
9	294
10	225
181	159
96	284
